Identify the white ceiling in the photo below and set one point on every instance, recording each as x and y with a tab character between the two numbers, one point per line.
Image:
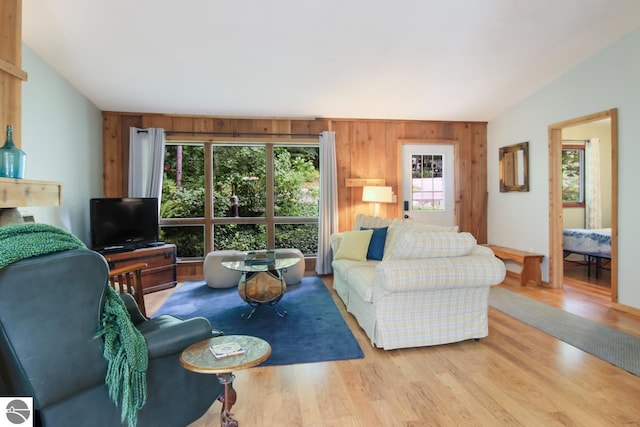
400	59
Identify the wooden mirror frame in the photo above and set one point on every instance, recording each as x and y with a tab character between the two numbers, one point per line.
510	168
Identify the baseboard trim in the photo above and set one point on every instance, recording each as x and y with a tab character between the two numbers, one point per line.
625	308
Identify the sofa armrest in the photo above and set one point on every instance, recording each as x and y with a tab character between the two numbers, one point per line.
481	250
334	241
438	273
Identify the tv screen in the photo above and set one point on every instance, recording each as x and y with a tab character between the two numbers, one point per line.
123	223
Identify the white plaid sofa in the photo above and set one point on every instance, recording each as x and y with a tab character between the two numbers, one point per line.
431	286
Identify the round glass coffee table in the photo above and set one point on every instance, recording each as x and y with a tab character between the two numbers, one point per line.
198	357
262	283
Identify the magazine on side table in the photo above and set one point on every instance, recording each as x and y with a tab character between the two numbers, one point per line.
221	351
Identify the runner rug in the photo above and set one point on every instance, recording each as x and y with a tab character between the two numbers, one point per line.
312	331
615	347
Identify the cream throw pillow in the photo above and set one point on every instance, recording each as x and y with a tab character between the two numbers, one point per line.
354	245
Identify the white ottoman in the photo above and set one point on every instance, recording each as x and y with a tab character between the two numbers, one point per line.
294	273
218	276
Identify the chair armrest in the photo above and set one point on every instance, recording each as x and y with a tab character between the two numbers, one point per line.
133	309
172	335
127	269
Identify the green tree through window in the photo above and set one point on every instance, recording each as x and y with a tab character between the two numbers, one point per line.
260	193
573	175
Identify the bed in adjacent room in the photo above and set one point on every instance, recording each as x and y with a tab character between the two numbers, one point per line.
593	244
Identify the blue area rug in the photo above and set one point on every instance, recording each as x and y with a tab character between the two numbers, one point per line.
313	330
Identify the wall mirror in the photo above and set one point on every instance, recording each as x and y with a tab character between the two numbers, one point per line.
514	167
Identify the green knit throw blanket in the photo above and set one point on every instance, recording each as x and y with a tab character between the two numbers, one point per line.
124	346
126	351
26	240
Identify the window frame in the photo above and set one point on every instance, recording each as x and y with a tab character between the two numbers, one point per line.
435	173
582	148
270	219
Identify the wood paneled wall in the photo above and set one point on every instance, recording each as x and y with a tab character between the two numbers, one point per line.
11	74
364	149
372	148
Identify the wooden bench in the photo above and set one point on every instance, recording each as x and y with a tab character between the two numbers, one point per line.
530	263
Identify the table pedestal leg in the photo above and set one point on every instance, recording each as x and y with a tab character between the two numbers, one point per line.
262	288
229	398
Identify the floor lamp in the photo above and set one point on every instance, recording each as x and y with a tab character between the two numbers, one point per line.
377	195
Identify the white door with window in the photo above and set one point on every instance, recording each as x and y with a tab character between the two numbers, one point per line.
428	185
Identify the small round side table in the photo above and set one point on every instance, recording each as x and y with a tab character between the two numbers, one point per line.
198	358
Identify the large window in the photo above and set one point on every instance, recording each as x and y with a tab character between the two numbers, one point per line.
240	196
573	165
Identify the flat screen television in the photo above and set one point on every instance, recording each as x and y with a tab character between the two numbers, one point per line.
123	223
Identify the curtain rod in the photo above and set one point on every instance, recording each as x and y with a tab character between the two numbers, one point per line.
239	134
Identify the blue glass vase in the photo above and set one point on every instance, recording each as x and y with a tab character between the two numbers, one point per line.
12	159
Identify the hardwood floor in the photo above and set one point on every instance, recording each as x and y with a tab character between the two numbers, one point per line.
517	376
578	271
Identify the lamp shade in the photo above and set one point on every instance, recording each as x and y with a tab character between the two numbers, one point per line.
377	194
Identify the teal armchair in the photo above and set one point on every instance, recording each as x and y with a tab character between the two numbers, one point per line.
50	310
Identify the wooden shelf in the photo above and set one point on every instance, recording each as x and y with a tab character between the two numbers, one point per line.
362	182
18	193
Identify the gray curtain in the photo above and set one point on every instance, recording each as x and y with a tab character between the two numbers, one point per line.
593	187
328	220
146	162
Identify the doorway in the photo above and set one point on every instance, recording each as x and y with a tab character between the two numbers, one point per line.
556	215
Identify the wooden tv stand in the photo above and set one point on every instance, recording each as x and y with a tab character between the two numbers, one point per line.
161	265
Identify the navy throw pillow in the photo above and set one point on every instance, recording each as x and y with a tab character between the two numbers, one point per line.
376	245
